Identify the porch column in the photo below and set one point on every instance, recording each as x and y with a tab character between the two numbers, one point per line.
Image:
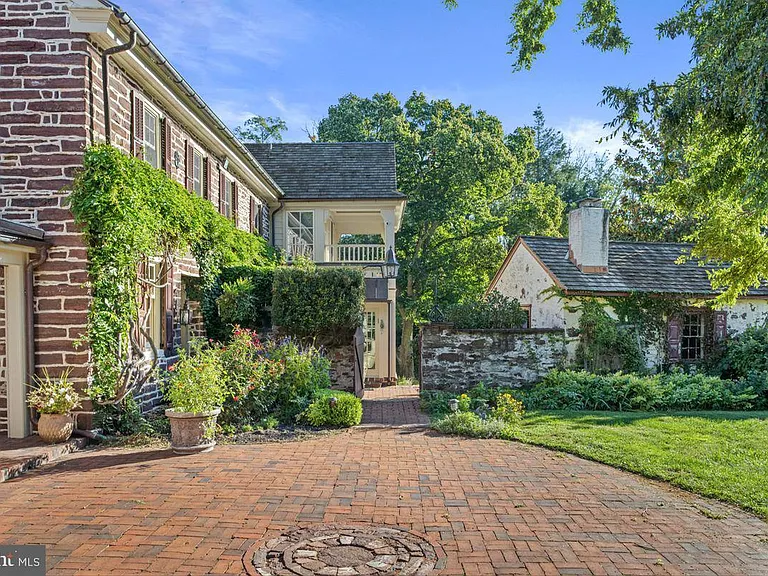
321	217
15	343
388	216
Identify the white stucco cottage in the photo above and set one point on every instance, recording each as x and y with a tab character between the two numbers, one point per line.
549	275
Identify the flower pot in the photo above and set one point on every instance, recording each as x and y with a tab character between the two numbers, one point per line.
192	432
54	428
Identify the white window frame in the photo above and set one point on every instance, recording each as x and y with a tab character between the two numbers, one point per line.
227	197
297	233
152	143
369	354
197	172
692	353
155	312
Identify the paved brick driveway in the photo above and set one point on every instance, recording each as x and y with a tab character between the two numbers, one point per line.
393	406
492	507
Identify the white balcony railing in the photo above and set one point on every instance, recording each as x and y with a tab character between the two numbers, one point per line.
355	253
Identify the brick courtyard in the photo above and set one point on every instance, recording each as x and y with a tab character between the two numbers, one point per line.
488	507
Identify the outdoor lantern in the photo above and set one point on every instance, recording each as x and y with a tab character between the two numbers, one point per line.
391	266
453	404
185	316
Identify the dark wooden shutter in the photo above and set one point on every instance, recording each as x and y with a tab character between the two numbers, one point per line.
222	186
235	205
674	332
265	222
721	326
167	147
207	178
138	127
252	216
189	165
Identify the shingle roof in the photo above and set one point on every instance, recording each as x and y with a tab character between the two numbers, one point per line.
632	267
332	171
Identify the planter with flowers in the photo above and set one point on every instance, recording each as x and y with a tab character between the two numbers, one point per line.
195	393
54	398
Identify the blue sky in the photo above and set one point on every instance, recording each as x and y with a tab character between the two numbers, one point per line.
294	58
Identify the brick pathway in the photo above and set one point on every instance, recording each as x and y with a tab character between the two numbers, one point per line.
491	507
393	406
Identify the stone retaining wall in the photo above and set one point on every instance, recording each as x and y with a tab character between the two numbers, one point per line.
342	367
455	360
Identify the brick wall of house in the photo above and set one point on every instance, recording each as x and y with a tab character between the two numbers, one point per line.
3	359
51	107
43	72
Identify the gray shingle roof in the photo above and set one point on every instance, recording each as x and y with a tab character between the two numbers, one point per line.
632	267
331	171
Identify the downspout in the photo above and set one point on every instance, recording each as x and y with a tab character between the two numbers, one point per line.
272	230
29	313
105	79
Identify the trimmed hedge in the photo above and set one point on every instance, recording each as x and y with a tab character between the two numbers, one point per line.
319	304
345	412
570	390
495	311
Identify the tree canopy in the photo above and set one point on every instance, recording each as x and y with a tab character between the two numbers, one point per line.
262	129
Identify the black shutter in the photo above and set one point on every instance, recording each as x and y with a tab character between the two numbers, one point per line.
264	221
138	127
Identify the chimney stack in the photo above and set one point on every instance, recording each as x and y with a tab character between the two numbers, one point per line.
588	236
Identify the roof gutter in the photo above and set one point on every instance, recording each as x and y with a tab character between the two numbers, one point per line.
145	43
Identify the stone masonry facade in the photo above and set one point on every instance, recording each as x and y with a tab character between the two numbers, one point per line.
455	360
52	109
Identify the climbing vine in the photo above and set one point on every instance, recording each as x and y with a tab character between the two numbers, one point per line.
132	214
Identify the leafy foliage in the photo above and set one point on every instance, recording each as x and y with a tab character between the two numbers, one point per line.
335	409
195	382
471	425
495	311
322	304
745	358
569	390
130	212
508	409
605	344
261	129
53	394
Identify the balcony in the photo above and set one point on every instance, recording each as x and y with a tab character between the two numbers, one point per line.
355	253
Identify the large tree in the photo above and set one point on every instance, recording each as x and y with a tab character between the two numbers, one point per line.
457	172
715	114
261	129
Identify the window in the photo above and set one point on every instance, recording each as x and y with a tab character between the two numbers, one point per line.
370	340
692	340
197	173
527	309
301	234
227	200
151	143
154	322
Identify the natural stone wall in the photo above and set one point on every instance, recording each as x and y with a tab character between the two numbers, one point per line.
342	367
456	360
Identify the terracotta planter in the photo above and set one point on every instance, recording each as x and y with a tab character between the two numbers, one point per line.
55	428
192	432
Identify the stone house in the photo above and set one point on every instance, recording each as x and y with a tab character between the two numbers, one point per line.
78	72
548	276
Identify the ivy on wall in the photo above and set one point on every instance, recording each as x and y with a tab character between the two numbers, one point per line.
130	214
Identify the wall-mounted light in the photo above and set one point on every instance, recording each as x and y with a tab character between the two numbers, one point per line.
391	267
185	315
225	164
176	159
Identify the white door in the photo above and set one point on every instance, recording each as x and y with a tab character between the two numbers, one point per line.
370	340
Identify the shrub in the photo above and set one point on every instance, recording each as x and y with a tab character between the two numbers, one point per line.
195	382
508	409
435	402
319	304
604	344
470	424
495	311
335	409
570	390
305	371
53	394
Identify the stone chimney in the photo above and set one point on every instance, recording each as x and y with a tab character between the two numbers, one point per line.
588	236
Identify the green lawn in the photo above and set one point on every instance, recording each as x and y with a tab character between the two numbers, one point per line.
723	455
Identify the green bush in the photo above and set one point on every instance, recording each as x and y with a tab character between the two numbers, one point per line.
495	311
195	382
604	344
470	424
318	304
335	409
570	390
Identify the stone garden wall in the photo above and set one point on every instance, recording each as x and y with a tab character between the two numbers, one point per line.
455	360
342	367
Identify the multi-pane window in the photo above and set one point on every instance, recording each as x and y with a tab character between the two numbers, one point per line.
197	173
370	340
301	234
155	308
227	203
151	143
692	338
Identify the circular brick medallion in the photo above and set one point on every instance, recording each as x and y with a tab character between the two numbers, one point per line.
345	551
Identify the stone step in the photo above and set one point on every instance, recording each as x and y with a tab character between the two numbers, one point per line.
20	455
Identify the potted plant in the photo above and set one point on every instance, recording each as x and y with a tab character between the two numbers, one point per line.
195	393
54	398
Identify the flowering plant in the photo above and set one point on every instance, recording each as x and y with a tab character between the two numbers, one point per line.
53	395
195	384
508	409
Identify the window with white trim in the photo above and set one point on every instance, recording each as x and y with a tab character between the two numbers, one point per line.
227	204
197	172
370	340
301	234
154	323
152	136
692	338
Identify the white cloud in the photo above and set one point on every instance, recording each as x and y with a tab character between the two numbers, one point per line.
584	134
205	33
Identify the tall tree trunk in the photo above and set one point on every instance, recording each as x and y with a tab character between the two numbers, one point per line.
406	347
